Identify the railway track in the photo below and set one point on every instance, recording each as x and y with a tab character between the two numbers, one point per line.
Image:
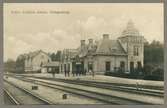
10	97
137	89
20	96
109	99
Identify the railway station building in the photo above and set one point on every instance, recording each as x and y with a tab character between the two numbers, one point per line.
124	54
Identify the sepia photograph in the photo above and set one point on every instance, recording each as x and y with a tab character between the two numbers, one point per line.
83	53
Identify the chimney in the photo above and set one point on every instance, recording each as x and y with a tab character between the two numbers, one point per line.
82	42
90	41
105	36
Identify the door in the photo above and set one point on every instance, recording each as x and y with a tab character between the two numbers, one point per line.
122	66
108	66
90	66
131	67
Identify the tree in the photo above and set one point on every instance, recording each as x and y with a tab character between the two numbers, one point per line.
20	64
53	57
56	57
153	57
10	66
154	53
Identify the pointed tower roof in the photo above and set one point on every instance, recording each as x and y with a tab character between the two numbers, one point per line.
130	30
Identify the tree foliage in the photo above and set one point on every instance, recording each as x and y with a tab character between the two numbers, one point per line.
20	64
9	66
56	57
154	53
154	60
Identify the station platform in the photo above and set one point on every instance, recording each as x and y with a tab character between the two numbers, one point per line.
102	78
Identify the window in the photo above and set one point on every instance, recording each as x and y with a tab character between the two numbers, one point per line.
136	51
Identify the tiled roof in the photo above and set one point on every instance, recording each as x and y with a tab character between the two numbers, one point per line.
104	47
110	47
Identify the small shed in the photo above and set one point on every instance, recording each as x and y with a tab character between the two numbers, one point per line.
52	67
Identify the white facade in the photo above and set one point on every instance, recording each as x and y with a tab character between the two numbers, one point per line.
35	60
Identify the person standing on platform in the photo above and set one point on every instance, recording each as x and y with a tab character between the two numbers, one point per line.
68	70
93	73
65	70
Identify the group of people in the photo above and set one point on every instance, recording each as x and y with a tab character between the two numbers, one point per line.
78	72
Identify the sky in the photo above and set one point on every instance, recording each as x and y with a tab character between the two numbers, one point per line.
55	26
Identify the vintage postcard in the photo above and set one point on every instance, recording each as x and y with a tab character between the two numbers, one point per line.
90	53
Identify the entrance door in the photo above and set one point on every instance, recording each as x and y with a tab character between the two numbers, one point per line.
139	65
122	66
131	67
90	66
107	66
78	68
139	68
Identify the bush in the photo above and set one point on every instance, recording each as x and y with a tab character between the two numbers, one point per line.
153	77
123	75
158	71
151	72
148	68
147	73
